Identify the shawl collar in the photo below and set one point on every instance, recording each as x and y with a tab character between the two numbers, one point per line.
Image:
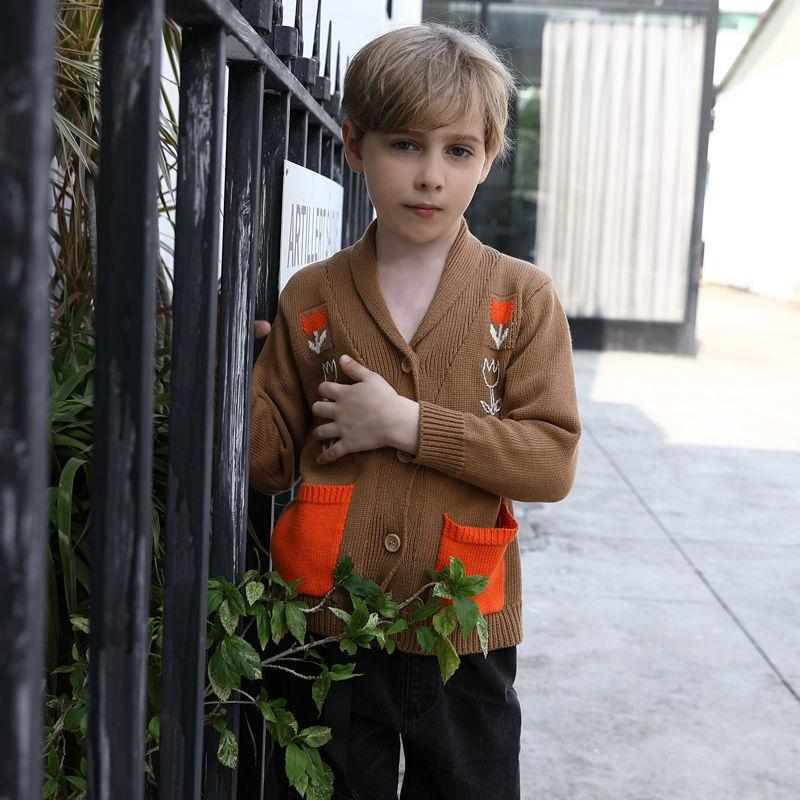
463	263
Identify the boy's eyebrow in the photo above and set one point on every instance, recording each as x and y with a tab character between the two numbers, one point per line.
466	137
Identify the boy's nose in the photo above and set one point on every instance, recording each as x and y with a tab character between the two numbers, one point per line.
429	174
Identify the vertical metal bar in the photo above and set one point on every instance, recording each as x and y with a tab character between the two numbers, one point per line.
326	147
26	91
241	231
314	153
189	485
122	464
687	341
298	136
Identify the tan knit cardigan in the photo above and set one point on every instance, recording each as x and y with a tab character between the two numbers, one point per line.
491	368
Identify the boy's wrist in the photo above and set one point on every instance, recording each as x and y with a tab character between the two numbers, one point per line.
402	430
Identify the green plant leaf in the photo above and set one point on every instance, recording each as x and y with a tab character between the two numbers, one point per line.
397	626
228	749
241	655
222	676
297	767
468	614
483	635
444	620
253	591
262	625
427	609
425	637
342	672
314	736
447	657
342	570
278	621
296	621
320	689
228	619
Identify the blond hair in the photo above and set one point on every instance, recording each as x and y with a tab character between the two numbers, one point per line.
422	76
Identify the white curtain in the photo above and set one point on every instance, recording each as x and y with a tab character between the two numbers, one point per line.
620	119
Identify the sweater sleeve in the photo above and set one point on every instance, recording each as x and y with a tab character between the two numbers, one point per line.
279	414
530	454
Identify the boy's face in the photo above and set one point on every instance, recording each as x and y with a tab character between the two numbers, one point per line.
442	167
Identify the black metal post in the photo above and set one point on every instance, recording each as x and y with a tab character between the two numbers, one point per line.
191	421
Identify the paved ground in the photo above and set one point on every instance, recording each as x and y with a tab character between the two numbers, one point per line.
661	658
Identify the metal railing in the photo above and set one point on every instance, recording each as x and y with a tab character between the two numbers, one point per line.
279	106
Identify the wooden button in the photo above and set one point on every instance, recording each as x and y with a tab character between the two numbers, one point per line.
392	542
402	455
406	365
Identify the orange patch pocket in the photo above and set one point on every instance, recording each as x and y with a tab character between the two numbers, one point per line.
308	534
483	552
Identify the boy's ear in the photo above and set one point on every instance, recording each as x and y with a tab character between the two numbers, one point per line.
351	148
487	165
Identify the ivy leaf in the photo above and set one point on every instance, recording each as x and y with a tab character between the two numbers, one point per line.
483	635
425	637
79	623
314	736
341	672
343	570
456	571
360	615
227	618
468	615
444	621
154	727
320	689
427	610
222	676
296	621
262	625
253	591
473	584
297	767
241	655
215	598
341	614
396	627
235	600
275	577
447	657
361	587
228	750
278	621
385	605
440	590
348	646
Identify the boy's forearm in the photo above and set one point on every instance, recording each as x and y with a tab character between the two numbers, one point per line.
402	430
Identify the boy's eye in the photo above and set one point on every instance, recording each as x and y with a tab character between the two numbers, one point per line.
465	155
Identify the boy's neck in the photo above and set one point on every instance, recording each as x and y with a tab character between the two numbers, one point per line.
397	252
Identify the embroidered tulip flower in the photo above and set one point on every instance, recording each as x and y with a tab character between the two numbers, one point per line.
491	377
501	311
315	324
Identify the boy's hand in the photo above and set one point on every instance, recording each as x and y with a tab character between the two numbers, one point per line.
261	328
365	415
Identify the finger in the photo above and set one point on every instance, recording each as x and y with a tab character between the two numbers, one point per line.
330	389
354	369
330	430
322	408
332	453
261	328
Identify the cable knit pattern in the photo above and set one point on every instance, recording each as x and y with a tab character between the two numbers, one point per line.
491	368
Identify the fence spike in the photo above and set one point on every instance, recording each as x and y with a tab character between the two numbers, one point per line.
277	13
327	72
315	48
298	24
338	59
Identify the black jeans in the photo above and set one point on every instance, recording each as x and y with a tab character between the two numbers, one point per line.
460	740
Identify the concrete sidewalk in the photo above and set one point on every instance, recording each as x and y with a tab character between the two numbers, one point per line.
661	658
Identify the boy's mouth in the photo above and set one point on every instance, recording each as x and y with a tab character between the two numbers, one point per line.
425	211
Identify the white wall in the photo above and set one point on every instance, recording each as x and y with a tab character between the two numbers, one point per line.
751	220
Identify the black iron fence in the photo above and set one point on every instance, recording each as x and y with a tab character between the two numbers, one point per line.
280	106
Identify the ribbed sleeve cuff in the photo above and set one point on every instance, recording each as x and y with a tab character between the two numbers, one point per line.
441	438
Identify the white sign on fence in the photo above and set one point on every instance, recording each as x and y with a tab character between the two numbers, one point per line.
311	219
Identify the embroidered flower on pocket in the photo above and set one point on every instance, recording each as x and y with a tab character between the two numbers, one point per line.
501	312
315	325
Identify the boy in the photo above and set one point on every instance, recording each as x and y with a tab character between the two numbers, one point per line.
418	382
